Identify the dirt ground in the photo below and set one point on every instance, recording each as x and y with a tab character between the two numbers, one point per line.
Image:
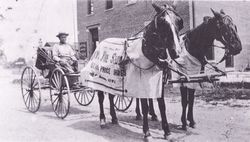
218	119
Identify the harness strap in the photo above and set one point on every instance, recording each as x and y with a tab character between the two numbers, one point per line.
131	61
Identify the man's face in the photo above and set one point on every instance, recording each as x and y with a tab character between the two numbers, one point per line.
63	39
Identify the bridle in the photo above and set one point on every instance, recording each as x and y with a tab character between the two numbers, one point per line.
221	38
156	32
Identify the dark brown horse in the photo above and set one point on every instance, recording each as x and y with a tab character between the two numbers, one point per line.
178	22
197	41
159	36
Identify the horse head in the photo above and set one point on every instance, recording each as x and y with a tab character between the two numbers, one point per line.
226	33
162	34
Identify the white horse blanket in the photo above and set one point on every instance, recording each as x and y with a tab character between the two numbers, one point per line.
188	65
142	79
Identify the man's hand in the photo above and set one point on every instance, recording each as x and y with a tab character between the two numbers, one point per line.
63	62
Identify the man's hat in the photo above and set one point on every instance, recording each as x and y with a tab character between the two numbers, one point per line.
60	34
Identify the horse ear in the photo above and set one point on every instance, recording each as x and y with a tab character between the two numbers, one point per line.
157	8
216	14
174	4
206	19
222	11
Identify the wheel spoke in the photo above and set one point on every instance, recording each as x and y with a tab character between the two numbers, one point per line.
27	99
125	103
60	108
32	104
57	80
35	84
87	97
32	78
55	100
122	99
84	97
119	101
56	106
54	82
64	106
25	82
35	97
29	102
26	93
80	96
60	80
116	100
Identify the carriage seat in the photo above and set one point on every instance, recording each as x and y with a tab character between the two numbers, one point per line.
44	59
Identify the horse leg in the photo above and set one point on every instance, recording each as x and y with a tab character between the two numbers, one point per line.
144	106
184	103
190	116
137	110
112	109
164	122
152	111
102	115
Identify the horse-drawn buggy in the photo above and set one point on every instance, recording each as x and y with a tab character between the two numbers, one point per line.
138	67
60	84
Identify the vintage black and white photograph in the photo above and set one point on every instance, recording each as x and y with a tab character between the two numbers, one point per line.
124	71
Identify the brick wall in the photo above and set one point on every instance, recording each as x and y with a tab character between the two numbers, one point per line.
123	20
239	11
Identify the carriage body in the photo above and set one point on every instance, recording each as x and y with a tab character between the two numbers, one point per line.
48	74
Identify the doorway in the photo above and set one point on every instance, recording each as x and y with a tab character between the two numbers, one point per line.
94	38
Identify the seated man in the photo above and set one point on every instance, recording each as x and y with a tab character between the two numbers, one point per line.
64	54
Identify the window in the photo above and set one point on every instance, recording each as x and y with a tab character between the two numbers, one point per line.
109	4
230	61
90	7
210	53
131	1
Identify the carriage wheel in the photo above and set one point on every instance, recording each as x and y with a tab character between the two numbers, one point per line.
31	90
85	96
122	103
59	93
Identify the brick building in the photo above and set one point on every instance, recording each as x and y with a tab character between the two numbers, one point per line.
100	19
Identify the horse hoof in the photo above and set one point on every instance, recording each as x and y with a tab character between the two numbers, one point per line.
114	121
138	117
184	127
147	136
102	123
154	118
166	135
192	124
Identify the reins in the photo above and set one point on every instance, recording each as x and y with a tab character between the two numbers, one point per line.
186	40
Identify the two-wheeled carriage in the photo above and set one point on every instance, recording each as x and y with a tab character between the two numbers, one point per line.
60	84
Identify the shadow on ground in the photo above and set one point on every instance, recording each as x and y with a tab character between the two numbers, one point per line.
111	132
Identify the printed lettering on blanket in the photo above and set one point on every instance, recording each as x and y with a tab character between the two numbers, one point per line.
104	73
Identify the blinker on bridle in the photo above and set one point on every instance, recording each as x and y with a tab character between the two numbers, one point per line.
221	38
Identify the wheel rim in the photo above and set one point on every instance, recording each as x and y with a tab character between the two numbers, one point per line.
59	93
122	103
30	87
85	96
